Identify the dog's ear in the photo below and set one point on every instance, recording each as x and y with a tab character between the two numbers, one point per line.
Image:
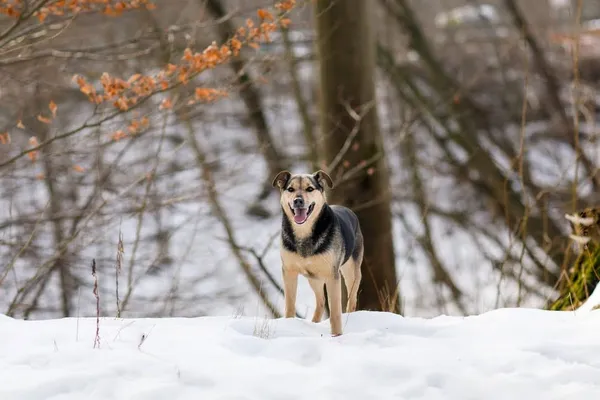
281	179
321	176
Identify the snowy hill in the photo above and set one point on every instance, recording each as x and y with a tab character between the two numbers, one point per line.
502	354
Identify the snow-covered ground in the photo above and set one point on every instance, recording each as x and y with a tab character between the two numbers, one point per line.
501	354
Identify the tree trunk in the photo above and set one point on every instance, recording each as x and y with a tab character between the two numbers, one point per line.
346	49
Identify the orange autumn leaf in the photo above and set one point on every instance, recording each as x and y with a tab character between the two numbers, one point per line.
9	10
202	93
171	68
121	104
33	155
166	104
264	15
207	94
33	142
84	86
43	119
225	52
134	78
20	124
53	108
42	16
40	176
78	168
4	138
118	135
86	89
285	5
134	127
236	45
188	55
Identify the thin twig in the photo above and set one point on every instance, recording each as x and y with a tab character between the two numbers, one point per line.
353	133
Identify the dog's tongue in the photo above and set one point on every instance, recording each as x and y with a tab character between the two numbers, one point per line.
300	215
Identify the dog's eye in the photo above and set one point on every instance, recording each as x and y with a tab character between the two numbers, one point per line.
290	189
310	189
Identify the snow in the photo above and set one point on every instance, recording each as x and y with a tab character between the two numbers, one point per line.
560	4
502	354
466	14
592	301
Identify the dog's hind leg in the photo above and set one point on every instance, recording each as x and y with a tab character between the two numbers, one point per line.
352	277
290	290
352	272
318	287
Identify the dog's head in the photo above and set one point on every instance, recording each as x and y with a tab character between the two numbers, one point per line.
302	195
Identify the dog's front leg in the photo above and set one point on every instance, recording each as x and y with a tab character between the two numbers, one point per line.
317	285
334	297
290	288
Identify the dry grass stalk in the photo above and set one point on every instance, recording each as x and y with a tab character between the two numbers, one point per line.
97	295
118	267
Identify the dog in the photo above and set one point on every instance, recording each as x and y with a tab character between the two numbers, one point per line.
322	242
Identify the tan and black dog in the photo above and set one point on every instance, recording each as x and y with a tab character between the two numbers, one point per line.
320	242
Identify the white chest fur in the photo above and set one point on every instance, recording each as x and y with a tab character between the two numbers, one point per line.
319	266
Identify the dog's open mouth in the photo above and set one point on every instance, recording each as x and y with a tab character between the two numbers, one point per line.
302	214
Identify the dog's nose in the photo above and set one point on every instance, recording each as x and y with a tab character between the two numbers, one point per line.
298	202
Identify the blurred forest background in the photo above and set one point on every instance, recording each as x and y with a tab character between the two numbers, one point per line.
460	131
